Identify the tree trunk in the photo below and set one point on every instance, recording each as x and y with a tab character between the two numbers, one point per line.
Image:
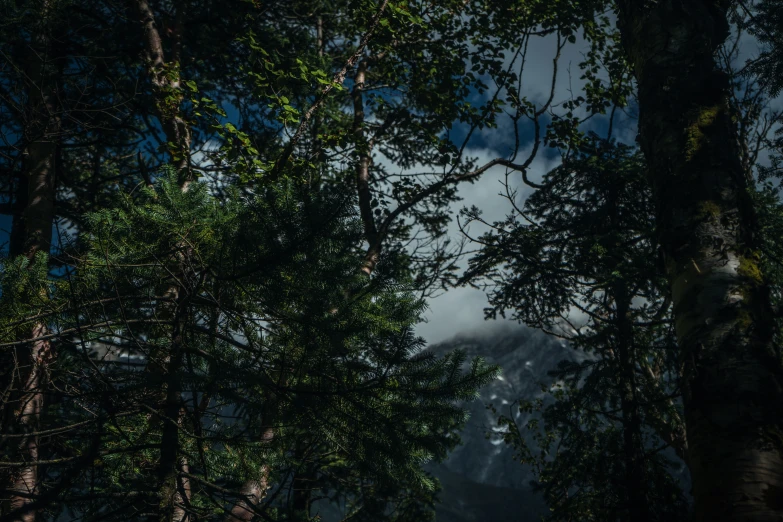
637	492
34	235
363	162
171	462
17	239
167	89
633	446
165	77
733	377
303	483
253	491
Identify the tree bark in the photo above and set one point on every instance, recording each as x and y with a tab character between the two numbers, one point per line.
166	80
363	162
34	235
167	90
171	462
17	239
733	377
253	491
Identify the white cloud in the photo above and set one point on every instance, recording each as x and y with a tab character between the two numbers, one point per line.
462	309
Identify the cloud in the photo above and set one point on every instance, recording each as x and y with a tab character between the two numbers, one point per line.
462	309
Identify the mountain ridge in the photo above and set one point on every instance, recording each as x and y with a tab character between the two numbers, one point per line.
482	468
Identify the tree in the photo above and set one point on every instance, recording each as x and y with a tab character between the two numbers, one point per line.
763	20
107	415
26	370
584	243
261	348
246	209
709	236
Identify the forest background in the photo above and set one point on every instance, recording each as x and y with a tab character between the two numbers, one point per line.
225	220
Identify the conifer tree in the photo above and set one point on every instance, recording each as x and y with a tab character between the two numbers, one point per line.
106	408
249	195
262	348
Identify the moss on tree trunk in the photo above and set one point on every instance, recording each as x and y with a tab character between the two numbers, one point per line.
733	377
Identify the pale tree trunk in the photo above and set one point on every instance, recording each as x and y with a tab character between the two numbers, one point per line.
733	377
167	86
363	162
165	76
253	491
28	416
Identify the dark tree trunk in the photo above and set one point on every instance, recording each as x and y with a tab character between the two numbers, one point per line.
635	480
633	446
732	373
170	480
33	235
16	243
303	483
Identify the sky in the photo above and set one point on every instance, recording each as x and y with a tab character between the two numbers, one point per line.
460	310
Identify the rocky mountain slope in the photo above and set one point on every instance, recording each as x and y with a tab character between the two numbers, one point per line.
480	481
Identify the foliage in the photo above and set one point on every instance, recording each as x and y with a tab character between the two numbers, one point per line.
764	19
271	327
238	330
577	260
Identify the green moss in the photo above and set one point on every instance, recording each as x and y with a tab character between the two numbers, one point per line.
708	209
694	133
744	320
749	267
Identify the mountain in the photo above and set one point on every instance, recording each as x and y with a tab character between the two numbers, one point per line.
480	480
463	500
